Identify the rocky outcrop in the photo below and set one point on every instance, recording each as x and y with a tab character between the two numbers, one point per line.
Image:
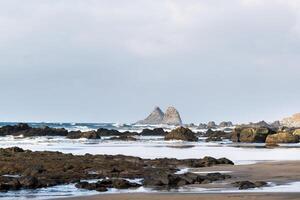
153	132
216	135
202	126
293	121
26	131
172	117
164	179
250	135
211	125
296	132
156	117
79	134
225	124
44	169
102	186
181	133
283	137
243	185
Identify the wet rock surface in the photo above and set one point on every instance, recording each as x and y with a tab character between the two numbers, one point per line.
105	184
153	132
282	137
164	179
87	135
32	170
216	135
26	131
243	185
181	133
250	134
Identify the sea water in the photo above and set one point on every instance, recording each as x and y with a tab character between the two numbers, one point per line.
144	147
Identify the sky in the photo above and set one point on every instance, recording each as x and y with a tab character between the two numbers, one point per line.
115	60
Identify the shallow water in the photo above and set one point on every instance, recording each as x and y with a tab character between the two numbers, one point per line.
145	147
156	147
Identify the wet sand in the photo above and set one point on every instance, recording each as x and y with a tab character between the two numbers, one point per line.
243	196
277	172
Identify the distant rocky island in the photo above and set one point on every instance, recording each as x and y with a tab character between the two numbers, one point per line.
157	116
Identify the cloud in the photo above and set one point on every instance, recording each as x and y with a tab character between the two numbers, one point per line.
133	54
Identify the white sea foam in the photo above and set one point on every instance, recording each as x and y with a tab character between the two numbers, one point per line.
156	147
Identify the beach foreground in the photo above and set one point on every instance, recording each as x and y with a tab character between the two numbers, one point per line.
279	173
242	196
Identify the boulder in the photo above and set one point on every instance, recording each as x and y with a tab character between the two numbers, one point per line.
163	178
297	132
181	133
225	124
103	185
202	126
27	131
250	135
172	117
155	117
282	137
243	185
154	132
211	125
109	132
79	134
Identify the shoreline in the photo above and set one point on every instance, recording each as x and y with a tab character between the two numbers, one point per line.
190	196
281	173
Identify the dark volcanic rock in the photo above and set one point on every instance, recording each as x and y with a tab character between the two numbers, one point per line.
243	185
44	169
163	178
154	132
103	185
9	130
87	135
181	133
27	131
107	132
216	135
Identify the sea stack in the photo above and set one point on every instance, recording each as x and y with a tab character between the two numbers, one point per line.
172	117
155	117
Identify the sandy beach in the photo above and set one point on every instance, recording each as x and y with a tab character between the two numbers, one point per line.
275	172
244	196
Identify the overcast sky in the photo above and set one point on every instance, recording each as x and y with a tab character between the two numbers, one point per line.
114	60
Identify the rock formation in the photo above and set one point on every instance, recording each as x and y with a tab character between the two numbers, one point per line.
40	169
250	134
155	117
211	124
283	137
225	124
293	121
172	117
181	133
